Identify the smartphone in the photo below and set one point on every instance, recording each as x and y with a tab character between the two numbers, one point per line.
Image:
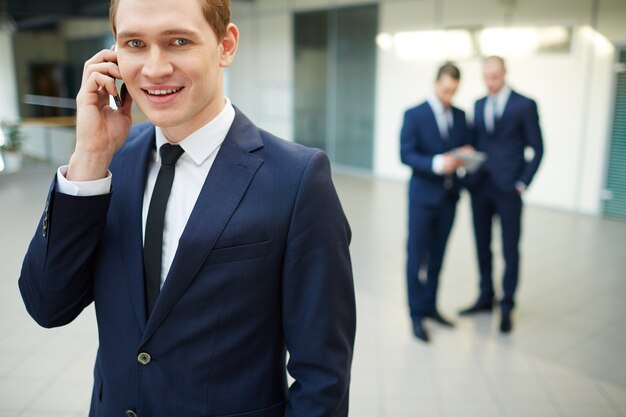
121	89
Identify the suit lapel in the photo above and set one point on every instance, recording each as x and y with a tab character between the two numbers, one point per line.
133	171
225	185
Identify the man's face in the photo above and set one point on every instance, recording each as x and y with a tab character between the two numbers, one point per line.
445	88
493	74
171	62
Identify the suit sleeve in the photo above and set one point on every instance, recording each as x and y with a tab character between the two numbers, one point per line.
534	140
57	271
319	314
410	145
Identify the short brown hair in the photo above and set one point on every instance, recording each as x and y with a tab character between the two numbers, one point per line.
449	69
216	12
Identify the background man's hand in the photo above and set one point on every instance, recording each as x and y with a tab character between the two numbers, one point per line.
466	149
450	163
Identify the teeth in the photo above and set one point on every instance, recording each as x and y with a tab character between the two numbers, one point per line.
163	92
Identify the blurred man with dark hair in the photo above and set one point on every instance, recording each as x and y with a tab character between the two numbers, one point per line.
429	134
506	123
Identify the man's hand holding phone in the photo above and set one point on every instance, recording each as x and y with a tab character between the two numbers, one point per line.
100	129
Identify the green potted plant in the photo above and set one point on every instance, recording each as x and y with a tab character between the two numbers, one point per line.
11	146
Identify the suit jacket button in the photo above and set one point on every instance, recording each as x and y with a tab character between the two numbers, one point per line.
130	413
144	358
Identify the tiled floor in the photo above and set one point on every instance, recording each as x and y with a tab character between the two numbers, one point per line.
565	358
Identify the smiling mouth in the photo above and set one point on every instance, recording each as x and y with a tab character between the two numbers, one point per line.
163	92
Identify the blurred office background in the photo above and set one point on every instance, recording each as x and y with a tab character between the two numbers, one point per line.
338	75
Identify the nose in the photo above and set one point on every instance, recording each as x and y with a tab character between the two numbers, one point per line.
157	64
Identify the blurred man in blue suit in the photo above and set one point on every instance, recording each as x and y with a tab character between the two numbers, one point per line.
209	247
429	133
506	124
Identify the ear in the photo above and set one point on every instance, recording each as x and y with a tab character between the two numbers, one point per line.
229	45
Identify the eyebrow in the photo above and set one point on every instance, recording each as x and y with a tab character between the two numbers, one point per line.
169	32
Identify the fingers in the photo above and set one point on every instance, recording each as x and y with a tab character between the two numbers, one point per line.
99	83
103	64
448	168
104	61
127	101
99	76
108	68
467	149
451	163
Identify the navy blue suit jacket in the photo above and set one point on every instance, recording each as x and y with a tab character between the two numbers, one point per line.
517	128
420	141
262	268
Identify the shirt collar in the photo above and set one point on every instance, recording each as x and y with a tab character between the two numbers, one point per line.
436	104
502	96
200	144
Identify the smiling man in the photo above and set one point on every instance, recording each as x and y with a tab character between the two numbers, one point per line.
209	247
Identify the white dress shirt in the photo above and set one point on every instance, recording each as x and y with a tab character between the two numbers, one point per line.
445	122
498	102
201	148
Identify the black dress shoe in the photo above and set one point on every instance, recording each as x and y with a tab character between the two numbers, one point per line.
419	331
506	325
477	308
440	319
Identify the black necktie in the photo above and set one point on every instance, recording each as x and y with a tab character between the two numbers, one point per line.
153	240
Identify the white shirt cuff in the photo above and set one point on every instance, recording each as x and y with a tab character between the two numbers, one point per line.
82	188
438	164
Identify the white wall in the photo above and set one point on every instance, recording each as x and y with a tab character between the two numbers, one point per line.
9	110
611	21
261	77
595	139
574	91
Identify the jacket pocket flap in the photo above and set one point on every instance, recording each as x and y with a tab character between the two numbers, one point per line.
240	252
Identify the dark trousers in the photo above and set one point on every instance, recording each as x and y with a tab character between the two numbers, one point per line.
487	202
429	228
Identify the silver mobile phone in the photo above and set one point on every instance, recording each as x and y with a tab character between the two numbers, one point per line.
121	89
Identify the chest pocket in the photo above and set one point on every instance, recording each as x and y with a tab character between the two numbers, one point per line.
239	253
